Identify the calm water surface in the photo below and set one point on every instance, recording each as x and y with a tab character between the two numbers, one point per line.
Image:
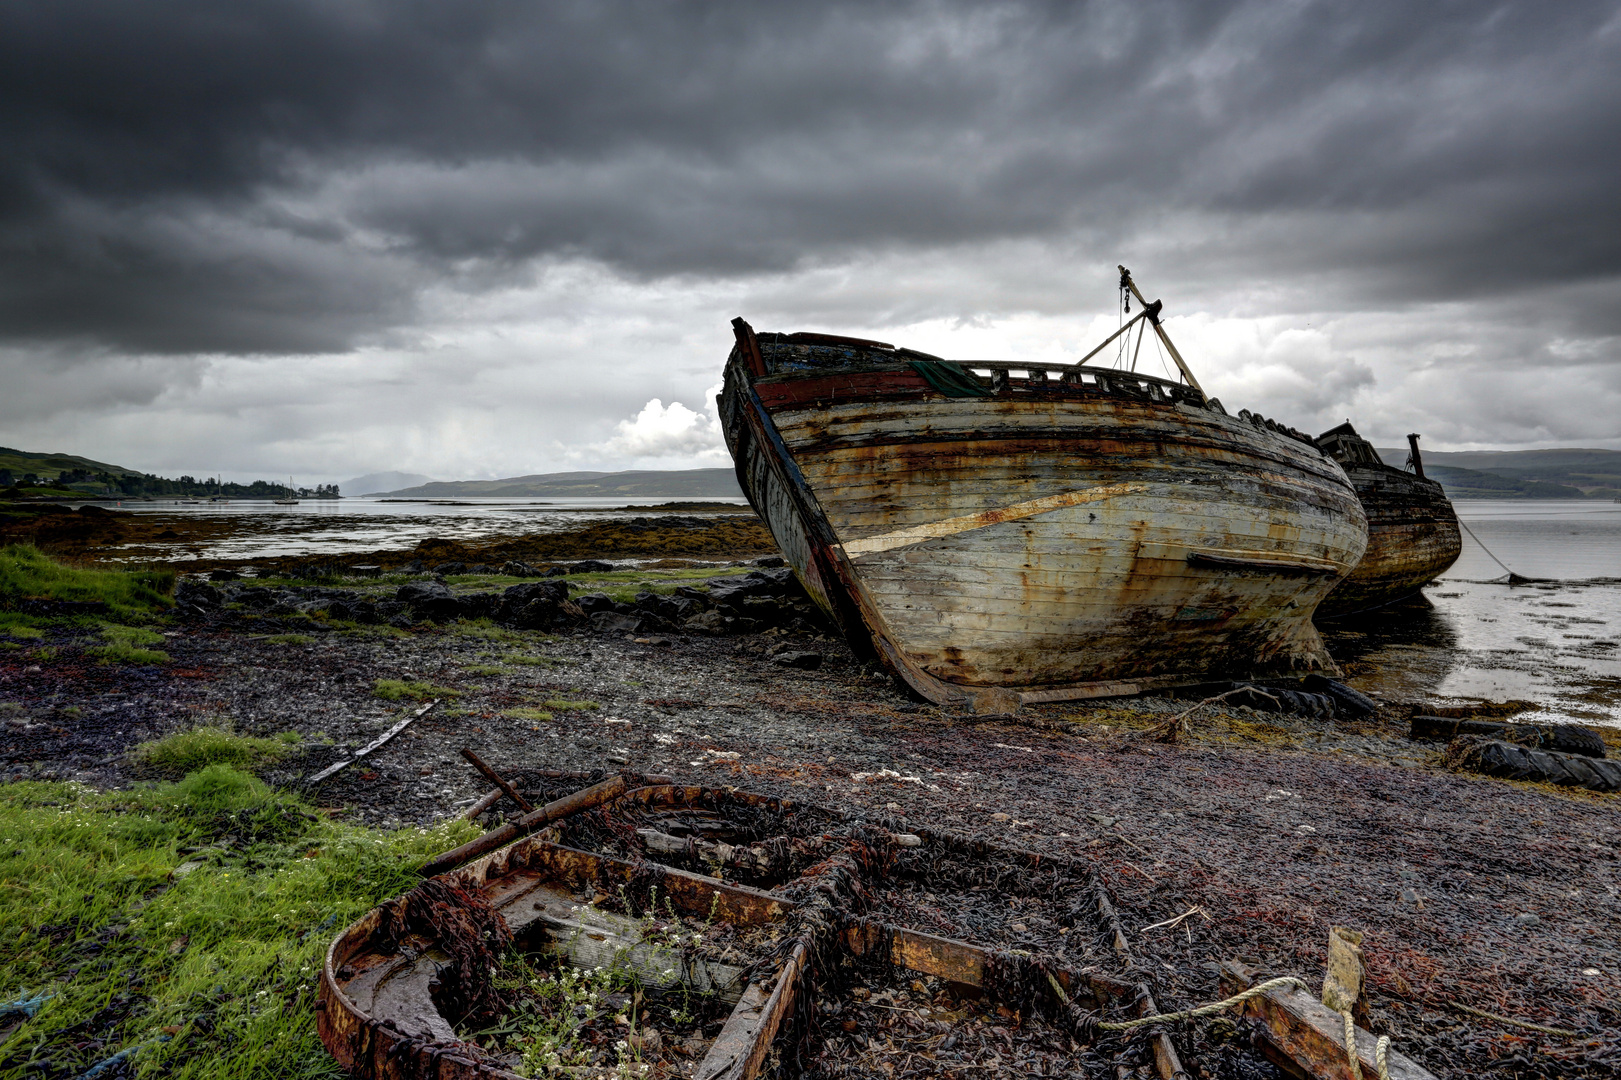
1473	637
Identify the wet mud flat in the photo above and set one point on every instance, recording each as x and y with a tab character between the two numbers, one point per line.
1248	838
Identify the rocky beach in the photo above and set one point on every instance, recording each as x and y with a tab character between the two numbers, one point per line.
677	645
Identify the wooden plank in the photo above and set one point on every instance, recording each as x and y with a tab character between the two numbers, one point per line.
1311	1034
740	1050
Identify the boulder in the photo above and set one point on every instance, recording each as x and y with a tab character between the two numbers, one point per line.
430	600
804	660
196	594
591	566
591	603
514	568
710	622
534	605
612	622
449	569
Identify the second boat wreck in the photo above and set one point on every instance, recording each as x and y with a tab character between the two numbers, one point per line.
1000	535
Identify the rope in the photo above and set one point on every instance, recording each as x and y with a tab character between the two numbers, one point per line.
1188	1014
1487	550
1381	1051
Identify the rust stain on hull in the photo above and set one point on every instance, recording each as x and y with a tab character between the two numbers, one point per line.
956	537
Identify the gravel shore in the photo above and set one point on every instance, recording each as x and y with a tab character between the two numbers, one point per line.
1474	892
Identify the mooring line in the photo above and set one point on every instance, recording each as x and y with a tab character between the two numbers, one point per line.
1512	576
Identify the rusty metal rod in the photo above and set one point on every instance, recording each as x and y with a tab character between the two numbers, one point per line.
495	778
489	800
595	795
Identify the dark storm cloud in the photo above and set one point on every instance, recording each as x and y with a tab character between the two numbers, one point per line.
287	177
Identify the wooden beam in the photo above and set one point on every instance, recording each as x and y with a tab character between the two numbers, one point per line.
1310	1033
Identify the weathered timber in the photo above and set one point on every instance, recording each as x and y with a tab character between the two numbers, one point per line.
1311	1035
375	744
512	830
1049	534
1413	534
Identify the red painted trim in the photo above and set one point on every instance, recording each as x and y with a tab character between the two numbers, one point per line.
844	386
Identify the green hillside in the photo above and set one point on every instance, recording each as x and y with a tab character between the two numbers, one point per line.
1521	474
641	483
50	466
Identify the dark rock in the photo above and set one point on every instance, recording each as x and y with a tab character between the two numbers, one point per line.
591	566
514	568
711	622
388	609
806	661
591	603
480	605
196	594
430	600
698	595
450	569
534	605
612	622
224	575
769	560
414	567
554	571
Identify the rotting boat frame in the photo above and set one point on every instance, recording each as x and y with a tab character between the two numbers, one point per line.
379	1015
1005	533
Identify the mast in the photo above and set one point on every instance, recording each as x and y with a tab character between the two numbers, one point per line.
1152	311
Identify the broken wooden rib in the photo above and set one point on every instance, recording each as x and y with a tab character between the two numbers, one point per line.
1037	538
1311	1036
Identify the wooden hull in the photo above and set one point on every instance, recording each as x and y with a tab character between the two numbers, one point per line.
1038	539
1413	538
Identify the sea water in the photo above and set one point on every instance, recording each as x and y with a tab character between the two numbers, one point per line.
1473	637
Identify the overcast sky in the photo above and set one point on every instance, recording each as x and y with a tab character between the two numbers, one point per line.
482	238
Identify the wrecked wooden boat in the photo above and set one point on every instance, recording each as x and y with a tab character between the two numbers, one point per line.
776	974
1000	533
1413	535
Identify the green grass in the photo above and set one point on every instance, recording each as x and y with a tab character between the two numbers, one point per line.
528	660
290	639
125	645
26	573
536	715
224	959
485	630
400	690
564	705
18	625
189	751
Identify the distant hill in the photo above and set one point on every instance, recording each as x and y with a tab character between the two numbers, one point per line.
1520	474
50	466
641	483
378	482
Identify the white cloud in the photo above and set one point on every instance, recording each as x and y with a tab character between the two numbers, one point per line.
663	432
